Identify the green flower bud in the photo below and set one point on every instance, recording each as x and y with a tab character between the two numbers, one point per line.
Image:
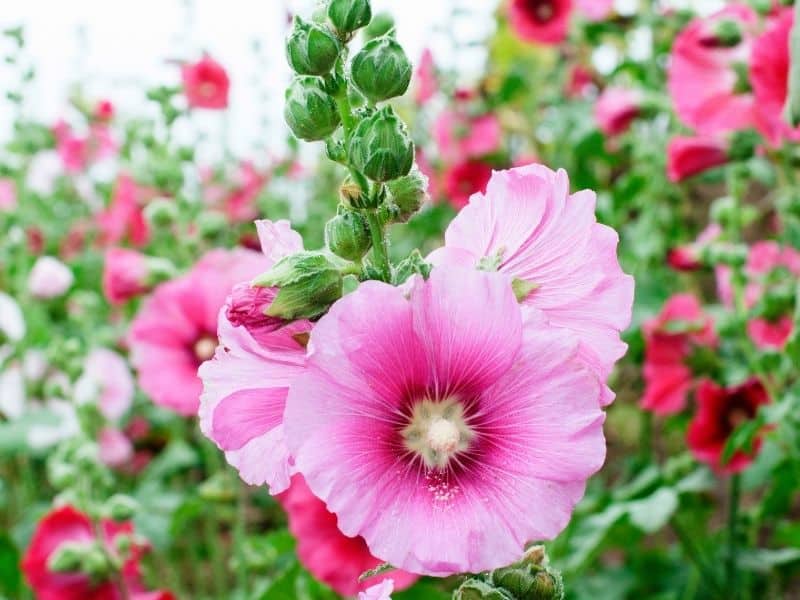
381	70
310	111
381	147
68	557
728	33
211	223
308	282
724	210
381	24
347	235
408	193
744	144
475	589
121	507
311	49
161	213
95	563
348	16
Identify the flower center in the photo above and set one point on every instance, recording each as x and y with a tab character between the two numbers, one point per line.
204	348
437	431
542	10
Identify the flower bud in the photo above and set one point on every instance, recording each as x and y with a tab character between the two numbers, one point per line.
68	557
247	307
475	589
211	223
310	111
409	193
381	24
311	49
381	70
381	147
308	283
161	213
727	33
724	211
743	144
348	16
95	563
351	194
347	235
121	507
49	278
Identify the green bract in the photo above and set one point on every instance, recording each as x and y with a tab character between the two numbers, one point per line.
381	147
310	111
347	235
348	16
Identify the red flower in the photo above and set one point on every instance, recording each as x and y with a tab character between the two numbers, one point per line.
464	179
205	84
103	111
669	341
616	109
124	217
688	156
541	21
687	258
326	552
66	524
719	412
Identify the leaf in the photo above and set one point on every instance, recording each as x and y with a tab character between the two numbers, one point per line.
10	577
742	439
763	560
652	513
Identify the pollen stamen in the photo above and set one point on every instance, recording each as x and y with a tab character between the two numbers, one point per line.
437	431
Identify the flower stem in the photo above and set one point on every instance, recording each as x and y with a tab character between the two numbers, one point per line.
380	251
693	553
731	571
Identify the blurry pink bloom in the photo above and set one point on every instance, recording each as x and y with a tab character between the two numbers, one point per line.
125	275
531	228
769	74
78	152
540	21
459	136
462	180
49	278
106	381
8	195
332	557
435	190
379	591
124	219
103	111
240	203
580	82
687	258
616	109
670	338
446	402
771	335
595	10
205	84
246	383
116	449
689	156
175	331
705	73
425	78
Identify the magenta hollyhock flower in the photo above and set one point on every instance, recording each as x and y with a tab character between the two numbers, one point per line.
425	78
531	228
246	383
688	257
445	403
175	330
205	84
8	194
115	449
707	75
460	136
124	219
464	179
332	557
49	278
125	275
689	156
616	109
540	21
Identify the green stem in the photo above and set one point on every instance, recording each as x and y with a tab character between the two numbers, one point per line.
731	571
239	529
380	251
694	554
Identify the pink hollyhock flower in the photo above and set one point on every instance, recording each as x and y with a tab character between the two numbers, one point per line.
246	383
769	74
459	136
595	10
67	525
445	403
687	258
580	82
540	21
464	179
107	381
770	335
124	218
116	450
175	331
529	227
670	338
103	111
240	203
205	84
380	591
332	557
689	156
425	78
719	412
616	109
49	278
125	275
8	195
705	72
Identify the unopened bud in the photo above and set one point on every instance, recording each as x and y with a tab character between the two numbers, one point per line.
381	147
248	306
95	563
308	283
310	111
408	193
381	24
311	49
161	212
724	211
348	16
68	557
351	194
121	507
727	33
211	223
743	144
347	235
381	70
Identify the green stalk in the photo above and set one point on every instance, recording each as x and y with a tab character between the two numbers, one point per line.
380	251
693	553
731	569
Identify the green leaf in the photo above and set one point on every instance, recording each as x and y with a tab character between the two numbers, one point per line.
10	576
742	439
652	513
763	560
177	456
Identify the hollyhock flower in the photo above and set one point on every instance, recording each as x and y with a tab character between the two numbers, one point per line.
124	219
425	77
205	84
770	334
445	403
462	180
332	557
769	74
705	76
529	227
107	381
175	331
246	383
689	156
459	136
540	21
8	195
687	258
49	278
380	591
126	275
579	83
240	203
67	525
115	449
616	109
719	412
71	148
670	338
595	10
103	111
